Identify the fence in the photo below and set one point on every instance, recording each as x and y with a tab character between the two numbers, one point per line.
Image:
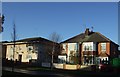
45	64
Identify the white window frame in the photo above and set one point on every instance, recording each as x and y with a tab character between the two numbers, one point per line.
87	47
103	47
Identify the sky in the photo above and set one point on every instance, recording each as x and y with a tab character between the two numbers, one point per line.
68	19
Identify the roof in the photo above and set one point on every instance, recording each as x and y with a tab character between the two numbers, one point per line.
103	55
31	40
92	37
34	39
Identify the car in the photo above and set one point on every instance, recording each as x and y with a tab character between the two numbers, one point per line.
104	67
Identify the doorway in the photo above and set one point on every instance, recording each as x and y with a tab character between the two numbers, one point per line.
20	58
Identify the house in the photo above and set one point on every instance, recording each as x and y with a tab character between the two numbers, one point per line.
88	48
35	50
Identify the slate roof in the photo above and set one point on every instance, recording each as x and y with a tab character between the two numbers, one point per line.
103	55
92	37
32	39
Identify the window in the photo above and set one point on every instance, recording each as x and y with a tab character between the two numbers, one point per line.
91	48
88	48
103	46
30	48
76	47
62	59
85	48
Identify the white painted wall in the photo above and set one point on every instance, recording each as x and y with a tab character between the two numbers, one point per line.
71	67
9	53
59	66
20	49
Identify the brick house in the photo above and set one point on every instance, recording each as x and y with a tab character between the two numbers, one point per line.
27	50
88	48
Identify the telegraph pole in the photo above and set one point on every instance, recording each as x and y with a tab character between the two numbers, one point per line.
14	41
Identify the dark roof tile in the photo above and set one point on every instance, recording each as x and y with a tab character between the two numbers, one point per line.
92	37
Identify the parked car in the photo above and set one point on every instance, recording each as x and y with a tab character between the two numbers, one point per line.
104	67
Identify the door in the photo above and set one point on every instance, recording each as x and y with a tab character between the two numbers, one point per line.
20	58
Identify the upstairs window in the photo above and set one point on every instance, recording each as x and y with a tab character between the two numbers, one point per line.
103	47
87	48
30	49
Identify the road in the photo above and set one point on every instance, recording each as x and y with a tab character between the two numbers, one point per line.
59	74
36	73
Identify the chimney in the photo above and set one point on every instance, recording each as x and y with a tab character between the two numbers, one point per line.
87	32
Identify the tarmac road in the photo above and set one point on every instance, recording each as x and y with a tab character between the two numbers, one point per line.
28	73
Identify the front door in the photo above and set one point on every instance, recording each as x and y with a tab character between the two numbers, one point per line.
20	58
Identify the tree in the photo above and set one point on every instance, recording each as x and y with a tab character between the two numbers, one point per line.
55	38
2	19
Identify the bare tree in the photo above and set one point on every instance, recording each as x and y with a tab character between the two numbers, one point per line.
2	19
55	38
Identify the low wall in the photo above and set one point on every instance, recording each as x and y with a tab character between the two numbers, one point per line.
62	66
72	67
59	66
86	67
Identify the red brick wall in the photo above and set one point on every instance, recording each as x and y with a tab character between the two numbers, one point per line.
107	48
99	48
113	50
